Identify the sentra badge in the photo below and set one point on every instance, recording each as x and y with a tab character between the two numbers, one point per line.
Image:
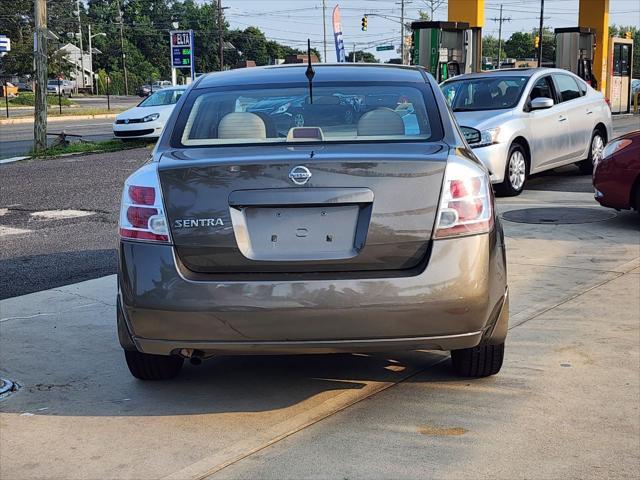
198	222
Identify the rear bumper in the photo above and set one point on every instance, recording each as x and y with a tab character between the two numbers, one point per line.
612	186
458	301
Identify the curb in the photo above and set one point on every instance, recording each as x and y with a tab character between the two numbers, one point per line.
16	121
13	159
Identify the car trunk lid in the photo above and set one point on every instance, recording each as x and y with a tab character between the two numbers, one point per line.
282	209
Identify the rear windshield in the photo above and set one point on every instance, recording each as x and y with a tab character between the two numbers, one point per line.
490	93
349	112
162	97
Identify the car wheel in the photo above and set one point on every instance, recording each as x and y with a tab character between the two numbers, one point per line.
298	120
480	361
69	95
145	366
595	153
515	175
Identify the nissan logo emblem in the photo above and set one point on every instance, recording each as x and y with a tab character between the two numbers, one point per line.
300	175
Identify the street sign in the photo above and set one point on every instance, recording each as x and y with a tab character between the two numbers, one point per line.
181	45
5	44
181	49
382	48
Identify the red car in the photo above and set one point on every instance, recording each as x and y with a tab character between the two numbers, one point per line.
616	177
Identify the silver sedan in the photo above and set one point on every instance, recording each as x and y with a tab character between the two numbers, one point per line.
525	121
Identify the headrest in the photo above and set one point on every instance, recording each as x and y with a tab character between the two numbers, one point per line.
381	121
242	125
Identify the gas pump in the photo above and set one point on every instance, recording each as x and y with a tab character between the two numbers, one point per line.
445	49
575	48
619	74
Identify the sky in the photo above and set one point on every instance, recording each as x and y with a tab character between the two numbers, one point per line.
291	22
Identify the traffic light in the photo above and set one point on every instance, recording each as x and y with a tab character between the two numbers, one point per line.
364	23
628	35
536	41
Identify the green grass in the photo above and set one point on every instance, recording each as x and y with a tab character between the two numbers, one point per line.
84	111
29	99
112	145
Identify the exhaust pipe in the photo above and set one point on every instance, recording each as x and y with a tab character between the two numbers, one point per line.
194	356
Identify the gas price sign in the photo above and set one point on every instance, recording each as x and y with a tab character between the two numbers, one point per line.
182	49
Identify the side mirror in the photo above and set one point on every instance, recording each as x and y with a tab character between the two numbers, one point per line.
471	135
541	103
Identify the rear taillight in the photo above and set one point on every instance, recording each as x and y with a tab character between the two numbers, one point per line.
606	99
466	204
142	215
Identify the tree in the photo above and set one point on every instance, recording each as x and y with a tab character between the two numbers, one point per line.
145	26
361	56
548	44
490	48
519	45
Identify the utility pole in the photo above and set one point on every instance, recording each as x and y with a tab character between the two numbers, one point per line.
402	4
324	27
402	31
541	24
433	6
93	80
220	36
81	49
124	62
40	54
501	20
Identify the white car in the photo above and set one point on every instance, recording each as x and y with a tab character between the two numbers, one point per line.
148	118
524	121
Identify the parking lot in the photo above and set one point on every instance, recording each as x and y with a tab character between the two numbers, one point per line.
565	404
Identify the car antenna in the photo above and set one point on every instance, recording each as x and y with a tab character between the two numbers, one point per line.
310	73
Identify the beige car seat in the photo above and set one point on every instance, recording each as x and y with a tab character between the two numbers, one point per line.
381	121
242	125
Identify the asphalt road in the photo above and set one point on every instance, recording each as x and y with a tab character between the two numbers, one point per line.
17	140
116	102
68	250
57	251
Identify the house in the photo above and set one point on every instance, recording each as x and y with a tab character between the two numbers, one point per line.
81	70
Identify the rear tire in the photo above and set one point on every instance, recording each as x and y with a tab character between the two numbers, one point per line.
595	153
145	366
480	361
515	172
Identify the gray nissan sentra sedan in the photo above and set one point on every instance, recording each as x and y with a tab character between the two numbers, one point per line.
246	235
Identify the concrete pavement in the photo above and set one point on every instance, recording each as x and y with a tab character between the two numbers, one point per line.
565	404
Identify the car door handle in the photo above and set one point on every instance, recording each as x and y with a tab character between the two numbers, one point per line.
589	112
562	118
